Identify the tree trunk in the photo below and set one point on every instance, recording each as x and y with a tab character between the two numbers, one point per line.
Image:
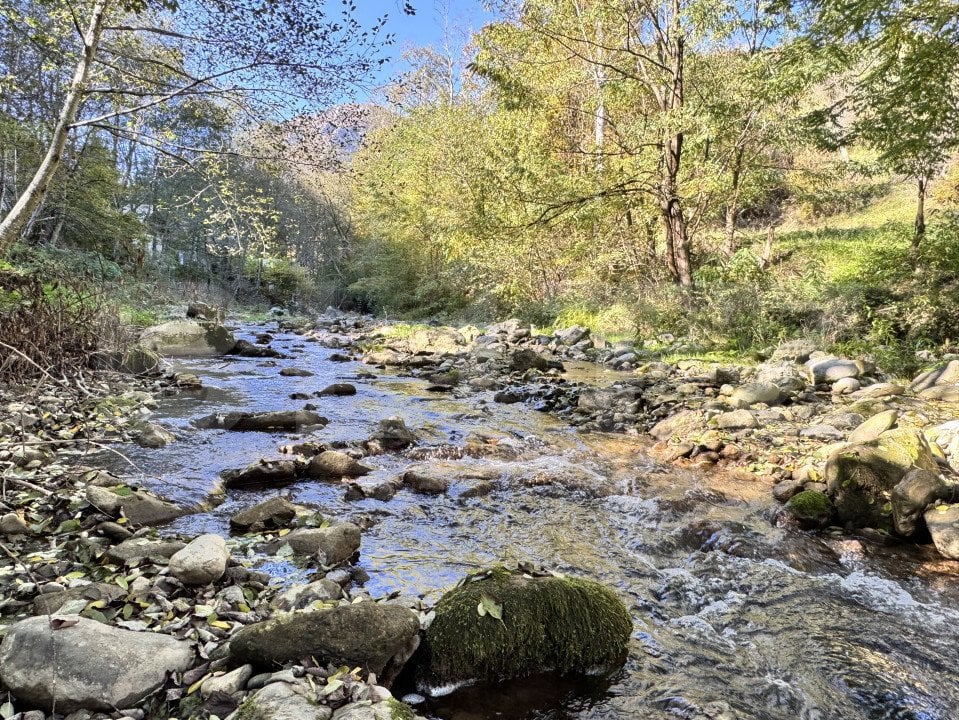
34	193
920	226
732	205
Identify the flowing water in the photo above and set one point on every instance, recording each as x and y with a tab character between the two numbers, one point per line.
733	617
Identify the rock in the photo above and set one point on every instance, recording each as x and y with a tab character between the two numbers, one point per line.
787	377
794	351
50	603
13	524
273	513
752	393
436	341
97	667
201	562
545	623
947	374
913	494
821	431
426	484
682	424
333	463
154	436
338	389
571	335
138	506
228	683
942	393
244	348
186	338
880	390
831	369
811	509
201	311
393	434
523	360
736	420
332	544
845	386
262	421
785	489
861	477
391	709
135	549
295	372
138	360
299	597
263	472
282	701
874	427
943	524
368	634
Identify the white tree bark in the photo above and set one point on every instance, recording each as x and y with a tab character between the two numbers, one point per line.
33	195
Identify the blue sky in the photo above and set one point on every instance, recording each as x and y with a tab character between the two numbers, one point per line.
426	27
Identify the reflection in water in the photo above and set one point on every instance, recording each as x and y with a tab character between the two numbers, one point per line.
733	618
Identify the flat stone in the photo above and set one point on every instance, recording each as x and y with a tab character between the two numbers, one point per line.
50	603
136	549
273	513
333	544
368	634
874	427
736	420
98	667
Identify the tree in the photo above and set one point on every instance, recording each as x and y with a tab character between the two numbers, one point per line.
270	61
905	94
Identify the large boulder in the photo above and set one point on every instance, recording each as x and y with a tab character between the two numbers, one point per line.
368	634
510	625
76	663
186	338
861	476
283	701
683	424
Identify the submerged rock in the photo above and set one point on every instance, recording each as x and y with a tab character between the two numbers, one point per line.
508	625
393	434
97	667
262	472
368	634
333	463
262	421
273	513
244	348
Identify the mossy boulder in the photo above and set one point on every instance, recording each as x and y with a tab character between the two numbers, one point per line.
811	509
528	625
861	477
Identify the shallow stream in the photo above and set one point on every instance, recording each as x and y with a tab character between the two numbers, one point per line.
733	617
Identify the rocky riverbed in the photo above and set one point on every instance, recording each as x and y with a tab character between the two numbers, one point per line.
342	477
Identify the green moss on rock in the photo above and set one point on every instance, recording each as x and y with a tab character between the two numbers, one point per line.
400	710
548	623
811	508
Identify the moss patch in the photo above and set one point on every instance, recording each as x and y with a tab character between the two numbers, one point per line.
811	507
400	710
548	623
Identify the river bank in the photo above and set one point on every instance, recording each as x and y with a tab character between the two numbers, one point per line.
706	572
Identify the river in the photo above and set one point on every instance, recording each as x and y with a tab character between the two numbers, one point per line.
733	617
